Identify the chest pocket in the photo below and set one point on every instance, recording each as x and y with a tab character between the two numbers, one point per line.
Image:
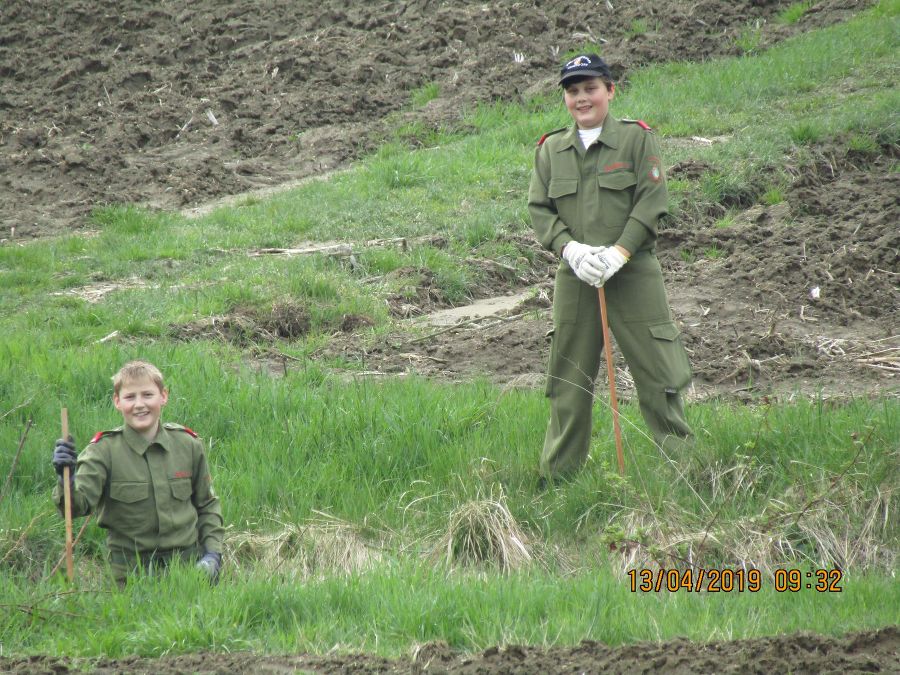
129	493
619	180
561	187
616	194
181	488
564	193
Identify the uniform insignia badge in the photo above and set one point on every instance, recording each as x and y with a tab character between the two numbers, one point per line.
641	123
655	174
548	134
578	61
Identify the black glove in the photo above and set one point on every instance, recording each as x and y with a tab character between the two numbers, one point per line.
210	563
64	456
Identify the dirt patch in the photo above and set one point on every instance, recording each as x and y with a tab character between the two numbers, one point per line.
802	296
182	102
863	652
247	326
178	104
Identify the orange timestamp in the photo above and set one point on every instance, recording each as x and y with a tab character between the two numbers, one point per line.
739	580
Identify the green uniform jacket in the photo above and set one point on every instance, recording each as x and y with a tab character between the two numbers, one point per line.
616	197
149	495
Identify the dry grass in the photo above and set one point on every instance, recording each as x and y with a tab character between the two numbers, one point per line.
317	549
843	529
484	532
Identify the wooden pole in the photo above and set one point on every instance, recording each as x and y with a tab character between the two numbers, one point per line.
67	502
611	376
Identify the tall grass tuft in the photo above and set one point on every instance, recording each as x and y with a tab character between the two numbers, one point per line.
484	532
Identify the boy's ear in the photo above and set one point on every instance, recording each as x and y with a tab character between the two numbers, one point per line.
165	395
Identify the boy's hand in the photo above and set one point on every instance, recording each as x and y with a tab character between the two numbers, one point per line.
591	269
610	260
210	563
64	455
583	261
574	252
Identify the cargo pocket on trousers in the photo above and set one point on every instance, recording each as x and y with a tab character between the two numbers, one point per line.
670	357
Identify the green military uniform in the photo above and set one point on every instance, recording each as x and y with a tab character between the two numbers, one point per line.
154	498
612	193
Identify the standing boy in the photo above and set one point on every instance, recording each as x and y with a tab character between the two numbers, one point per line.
149	483
597	194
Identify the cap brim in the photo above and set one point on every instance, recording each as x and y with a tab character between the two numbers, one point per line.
583	73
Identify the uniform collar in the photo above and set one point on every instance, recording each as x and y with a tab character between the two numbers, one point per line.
609	136
140	444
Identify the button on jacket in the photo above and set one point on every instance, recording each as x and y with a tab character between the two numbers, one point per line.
148	495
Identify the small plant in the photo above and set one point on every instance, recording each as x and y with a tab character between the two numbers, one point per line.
749	39
713	186
863	144
593	46
773	196
714	253
725	221
688	256
427	92
638	27
793	13
805	133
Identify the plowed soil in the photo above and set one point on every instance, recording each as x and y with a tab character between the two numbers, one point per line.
802	654
173	104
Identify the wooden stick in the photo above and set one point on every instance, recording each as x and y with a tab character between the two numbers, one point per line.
611	376
67	502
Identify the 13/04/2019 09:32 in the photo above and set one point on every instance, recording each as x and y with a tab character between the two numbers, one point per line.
727	580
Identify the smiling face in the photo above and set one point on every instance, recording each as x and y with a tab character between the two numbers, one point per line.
588	101
140	401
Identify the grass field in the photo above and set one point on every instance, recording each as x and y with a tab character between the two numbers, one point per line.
378	515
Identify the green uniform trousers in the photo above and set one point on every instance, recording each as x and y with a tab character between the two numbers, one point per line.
123	564
640	319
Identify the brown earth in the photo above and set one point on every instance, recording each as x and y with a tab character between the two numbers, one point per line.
875	651
175	104
184	103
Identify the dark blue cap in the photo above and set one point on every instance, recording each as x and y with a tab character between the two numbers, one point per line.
584	65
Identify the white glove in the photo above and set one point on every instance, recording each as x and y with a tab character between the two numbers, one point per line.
582	260
610	260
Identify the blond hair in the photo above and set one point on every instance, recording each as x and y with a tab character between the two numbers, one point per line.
137	370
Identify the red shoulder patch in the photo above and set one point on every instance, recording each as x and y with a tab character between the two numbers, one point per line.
643	125
543	138
97	437
190	431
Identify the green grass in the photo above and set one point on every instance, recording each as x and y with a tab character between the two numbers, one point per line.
400	605
794	13
803	484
